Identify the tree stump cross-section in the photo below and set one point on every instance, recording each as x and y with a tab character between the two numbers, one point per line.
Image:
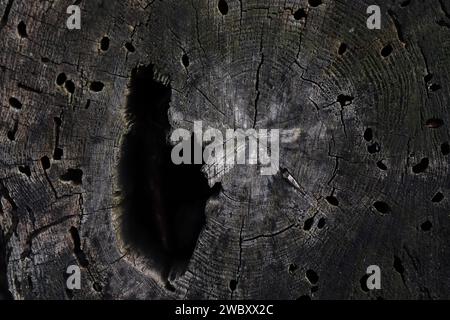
85	171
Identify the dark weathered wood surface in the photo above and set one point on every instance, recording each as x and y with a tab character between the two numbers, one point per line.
257	65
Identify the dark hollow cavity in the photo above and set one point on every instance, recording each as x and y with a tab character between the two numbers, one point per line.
398	266
363	282
434	87
300	14
345	100
438	197
292	268
381	165
382	207
445	148
233	285
434	123
342	49
81	257
163	204
70	86
307	225
104	44
368	134
405	3
96	86
60	79
45	162
11	134
185	60
314	3
22	29
321	223
129	46
332	200
73	175
374	148
387	50
426	226
25	170
16	104
312	276
58	153
5	294
421	166
223	7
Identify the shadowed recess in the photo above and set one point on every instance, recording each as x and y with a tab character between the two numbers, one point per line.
163	204
5	294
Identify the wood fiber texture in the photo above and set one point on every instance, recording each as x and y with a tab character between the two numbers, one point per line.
366	182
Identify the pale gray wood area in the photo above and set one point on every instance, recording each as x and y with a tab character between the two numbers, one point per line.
255	66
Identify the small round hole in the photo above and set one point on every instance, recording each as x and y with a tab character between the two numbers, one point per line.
308	224
96	86
314	3
16	104
70	86
22	29
58	154
25	170
445	148
233	285
129	46
434	123
363	283
421	166
434	87
381	165
342	49
312	276
11	135
368	134
45	162
405	3
223	7
185	60
387	50
381	206
332	200
426	226
300	14
321	223
104	44
398	266
344	100
60	79
374	148
438	197
292	268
